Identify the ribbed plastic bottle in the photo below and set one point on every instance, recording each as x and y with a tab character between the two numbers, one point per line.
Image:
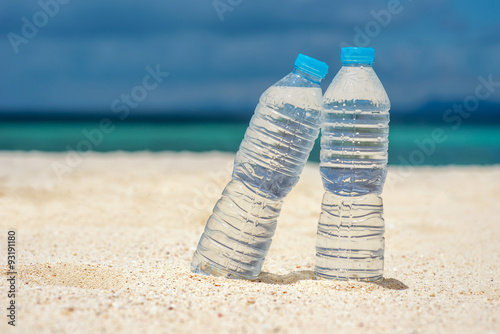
354	142
267	166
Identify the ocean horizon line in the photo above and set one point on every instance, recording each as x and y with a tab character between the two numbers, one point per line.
435	112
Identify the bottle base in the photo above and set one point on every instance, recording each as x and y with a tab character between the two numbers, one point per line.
348	275
203	266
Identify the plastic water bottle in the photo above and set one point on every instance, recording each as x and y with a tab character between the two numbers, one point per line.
267	166
354	129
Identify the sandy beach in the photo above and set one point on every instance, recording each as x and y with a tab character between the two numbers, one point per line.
104	243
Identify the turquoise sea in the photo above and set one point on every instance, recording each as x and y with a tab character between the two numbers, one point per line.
409	144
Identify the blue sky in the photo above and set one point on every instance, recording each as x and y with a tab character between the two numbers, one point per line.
90	53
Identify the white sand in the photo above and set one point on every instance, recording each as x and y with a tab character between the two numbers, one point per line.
107	249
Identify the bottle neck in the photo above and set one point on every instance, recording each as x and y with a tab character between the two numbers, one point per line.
307	75
357	64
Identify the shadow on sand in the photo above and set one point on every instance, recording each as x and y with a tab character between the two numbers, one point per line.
295	276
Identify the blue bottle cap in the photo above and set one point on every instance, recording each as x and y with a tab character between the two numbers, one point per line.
311	66
353	55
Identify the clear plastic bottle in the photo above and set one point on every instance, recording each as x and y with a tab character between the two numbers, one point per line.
354	142
267	166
